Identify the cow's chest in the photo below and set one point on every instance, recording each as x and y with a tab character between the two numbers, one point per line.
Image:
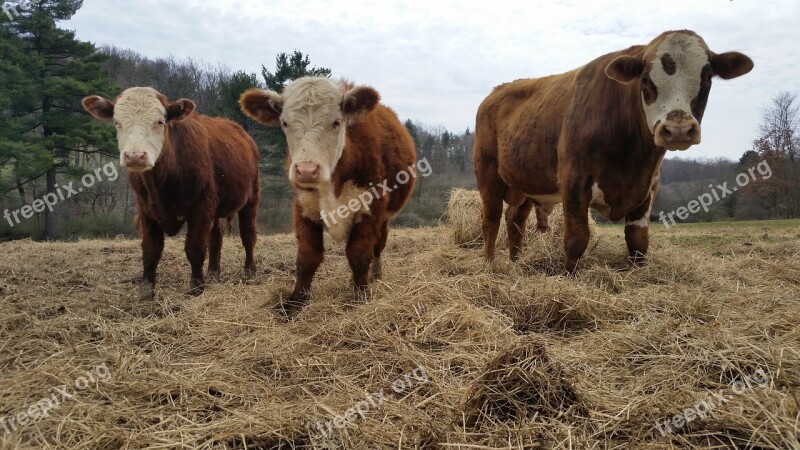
337	213
164	204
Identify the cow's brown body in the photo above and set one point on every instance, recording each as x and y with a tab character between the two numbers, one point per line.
185	168
580	138
345	149
208	171
376	149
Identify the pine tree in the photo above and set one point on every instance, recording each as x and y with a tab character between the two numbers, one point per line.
57	71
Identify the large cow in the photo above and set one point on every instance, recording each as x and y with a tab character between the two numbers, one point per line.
345	149
184	167
593	137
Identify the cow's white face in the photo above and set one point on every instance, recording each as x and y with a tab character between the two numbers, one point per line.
674	73
314	113
141	116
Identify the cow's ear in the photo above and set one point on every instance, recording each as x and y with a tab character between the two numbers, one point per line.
731	64
98	107
625	68
358	102
263	106
179	109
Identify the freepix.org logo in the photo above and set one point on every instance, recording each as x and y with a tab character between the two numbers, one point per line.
63	192
13	10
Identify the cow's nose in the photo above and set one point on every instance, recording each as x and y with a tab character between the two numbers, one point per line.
678	132
679	135
135	159
307	172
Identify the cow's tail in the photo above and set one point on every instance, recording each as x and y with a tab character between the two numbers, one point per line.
225	226
228	225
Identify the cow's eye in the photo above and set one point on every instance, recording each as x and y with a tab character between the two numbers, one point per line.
336	124
162	122
284	124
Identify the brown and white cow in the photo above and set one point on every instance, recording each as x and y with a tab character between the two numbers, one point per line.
346	151
184	167
593	137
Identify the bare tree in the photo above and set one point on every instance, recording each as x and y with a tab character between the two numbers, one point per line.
778	145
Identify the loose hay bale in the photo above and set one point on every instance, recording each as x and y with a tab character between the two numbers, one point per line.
464	215
519	384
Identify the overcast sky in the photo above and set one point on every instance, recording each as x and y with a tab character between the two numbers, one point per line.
434	61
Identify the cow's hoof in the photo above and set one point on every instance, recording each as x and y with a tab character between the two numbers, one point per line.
146	291
250	271
290	308
361	294
213	275
196	287
637	261
376	272
543	229
572	268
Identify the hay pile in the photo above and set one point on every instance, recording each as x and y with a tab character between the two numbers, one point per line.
513	358
464	217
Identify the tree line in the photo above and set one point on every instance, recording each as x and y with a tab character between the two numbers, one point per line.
48	142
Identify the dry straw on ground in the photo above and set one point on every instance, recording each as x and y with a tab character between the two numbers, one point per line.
518	356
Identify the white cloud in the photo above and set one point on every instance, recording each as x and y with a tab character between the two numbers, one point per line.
435	61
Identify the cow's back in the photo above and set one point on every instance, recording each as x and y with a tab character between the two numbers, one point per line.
518	127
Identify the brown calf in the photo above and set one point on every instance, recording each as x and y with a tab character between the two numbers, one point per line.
184	167
593	137
346	154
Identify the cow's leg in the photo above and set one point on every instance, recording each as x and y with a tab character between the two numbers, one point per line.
310	253
248	231
215	250
196	247
637	233
576	222
359	251
376	269
516	219
543	219
492	189
152	248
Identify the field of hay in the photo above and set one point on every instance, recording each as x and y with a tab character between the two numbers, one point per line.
450	353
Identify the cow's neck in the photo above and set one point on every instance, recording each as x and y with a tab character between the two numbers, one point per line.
162	174
646	152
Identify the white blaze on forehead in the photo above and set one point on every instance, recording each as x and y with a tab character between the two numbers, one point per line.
676	91
136	113
310	107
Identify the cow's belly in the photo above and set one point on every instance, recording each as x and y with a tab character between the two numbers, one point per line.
337	214
548	201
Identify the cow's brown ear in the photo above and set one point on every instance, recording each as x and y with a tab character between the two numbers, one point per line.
358	102
179	109
731	64
98	107
625	68
263	106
